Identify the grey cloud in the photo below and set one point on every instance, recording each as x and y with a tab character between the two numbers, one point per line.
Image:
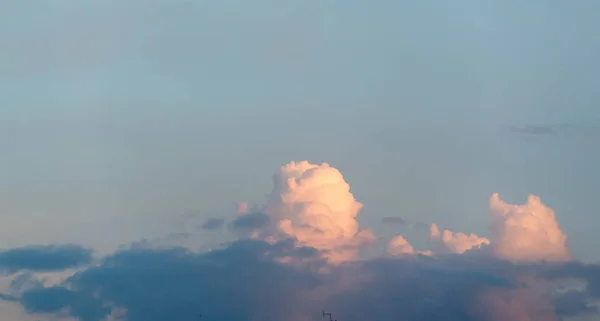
24	282
421	226
213	224
250	221
588	272
244	281
52	300
574	303
44	258
232	284
8	297
393	220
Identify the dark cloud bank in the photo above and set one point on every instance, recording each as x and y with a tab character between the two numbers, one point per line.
44	258
245	281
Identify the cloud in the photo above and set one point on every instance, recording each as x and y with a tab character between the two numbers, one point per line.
451	242
302	258
231	284
242	208
393	220
519	233
44	258
8	297
23	282
213	224
526	233
313	204
399	246
251	221
246	281
513	304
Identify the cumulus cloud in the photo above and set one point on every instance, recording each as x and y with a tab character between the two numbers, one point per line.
44	258
526	233
447	241
519	233
313	204
399	246
310	218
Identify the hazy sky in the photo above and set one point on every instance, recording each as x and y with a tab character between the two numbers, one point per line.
118	118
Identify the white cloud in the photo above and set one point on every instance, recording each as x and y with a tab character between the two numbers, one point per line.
526	233
447	241
313	203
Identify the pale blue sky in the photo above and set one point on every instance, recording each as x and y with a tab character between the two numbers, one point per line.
119	116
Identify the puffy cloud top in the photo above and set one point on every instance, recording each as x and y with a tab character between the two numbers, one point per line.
526	233
313	204
451	242
399	246
310	219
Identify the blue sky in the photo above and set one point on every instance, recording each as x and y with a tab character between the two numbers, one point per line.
117	118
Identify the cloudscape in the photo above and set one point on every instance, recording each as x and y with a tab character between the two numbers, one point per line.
299	253
299	160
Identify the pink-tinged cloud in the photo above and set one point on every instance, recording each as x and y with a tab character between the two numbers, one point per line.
526	233
399	246
447	241
313	204
242	208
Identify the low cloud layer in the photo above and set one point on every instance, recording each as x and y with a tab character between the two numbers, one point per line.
299	255
44	258
245	281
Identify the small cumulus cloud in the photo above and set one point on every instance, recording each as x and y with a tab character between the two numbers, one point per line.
447	241
399	246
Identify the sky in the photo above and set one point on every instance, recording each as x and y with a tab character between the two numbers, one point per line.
136	122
